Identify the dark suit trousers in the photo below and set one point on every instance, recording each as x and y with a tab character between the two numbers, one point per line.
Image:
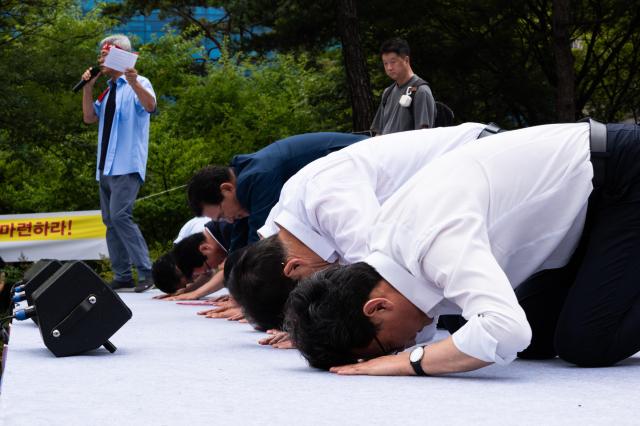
588	313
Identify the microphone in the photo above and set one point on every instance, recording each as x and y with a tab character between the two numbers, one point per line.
94	71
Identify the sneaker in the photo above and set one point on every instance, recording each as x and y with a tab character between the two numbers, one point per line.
117	284
143	285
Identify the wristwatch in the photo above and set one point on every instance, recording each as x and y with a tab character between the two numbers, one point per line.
416	359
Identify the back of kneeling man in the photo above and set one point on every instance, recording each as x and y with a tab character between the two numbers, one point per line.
517	210
325	211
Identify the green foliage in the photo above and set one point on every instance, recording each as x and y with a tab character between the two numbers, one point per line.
207	112
14	272
44	147
490	61
238	106
494	62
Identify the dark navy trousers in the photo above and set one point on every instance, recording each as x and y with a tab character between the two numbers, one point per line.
588	312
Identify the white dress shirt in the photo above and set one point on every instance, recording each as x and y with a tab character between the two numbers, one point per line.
331	203
499	211
193	226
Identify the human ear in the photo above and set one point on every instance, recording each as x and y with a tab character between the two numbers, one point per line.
205	248
291	265
374	307
227	187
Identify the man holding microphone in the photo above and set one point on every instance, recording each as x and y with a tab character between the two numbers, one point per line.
122	112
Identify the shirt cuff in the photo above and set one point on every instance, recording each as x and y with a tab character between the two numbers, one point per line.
473	340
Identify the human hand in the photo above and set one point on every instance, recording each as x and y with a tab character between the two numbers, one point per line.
222	298
91	81
207	311
226	312
278	339
162	296
131	75
183	296
227	304
390	365
237	317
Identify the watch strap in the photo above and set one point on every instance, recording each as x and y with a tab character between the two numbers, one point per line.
417	365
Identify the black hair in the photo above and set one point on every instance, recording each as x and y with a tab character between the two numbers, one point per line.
258	283
187	254
324	314
397	46
165	275
230	262
204	187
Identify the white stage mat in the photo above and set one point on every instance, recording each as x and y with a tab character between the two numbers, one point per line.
175	368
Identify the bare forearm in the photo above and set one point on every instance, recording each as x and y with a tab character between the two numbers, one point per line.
440	358
200	281
88	113
211	286
444	357
146	99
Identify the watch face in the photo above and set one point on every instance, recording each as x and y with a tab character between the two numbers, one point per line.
416	354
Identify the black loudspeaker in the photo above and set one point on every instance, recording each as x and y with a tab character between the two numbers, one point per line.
37	275
77	311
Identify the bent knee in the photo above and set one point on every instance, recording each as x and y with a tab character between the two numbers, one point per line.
583	350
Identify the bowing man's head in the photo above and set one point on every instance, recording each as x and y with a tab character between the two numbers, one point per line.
344	314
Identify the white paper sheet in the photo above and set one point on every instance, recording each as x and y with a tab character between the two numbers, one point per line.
119	59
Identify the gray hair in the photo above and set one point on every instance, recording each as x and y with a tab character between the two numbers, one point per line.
119	40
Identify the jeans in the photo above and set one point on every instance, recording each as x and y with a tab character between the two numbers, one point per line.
124	240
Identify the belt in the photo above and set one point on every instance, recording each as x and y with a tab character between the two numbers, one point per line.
598	147
597	136
490	129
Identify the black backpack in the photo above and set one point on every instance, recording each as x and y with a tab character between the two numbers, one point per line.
444	114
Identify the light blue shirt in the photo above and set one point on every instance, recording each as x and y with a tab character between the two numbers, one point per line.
129	139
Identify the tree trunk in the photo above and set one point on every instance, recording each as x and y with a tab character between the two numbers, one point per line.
355	65
565	87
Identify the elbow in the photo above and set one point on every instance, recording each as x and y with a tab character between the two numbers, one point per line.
516	336
151	107
512	334
522	336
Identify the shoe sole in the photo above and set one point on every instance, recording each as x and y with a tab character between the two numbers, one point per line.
142	289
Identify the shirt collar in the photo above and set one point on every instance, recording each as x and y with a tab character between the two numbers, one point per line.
217	240
411	80
119	81
316	242
421	294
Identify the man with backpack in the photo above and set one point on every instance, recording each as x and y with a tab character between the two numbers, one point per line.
408	103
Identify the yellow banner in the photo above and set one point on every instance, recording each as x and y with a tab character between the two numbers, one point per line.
51	228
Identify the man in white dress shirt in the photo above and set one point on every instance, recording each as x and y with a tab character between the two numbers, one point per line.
519	205
325	211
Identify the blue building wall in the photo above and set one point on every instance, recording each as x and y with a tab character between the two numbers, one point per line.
147	27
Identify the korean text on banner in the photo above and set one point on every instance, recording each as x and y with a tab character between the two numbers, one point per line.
62	235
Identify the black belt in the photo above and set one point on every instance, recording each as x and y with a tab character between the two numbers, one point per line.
490	129
597	136
598	147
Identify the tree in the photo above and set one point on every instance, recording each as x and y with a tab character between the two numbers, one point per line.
206	114
264	25
24	18
44	147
